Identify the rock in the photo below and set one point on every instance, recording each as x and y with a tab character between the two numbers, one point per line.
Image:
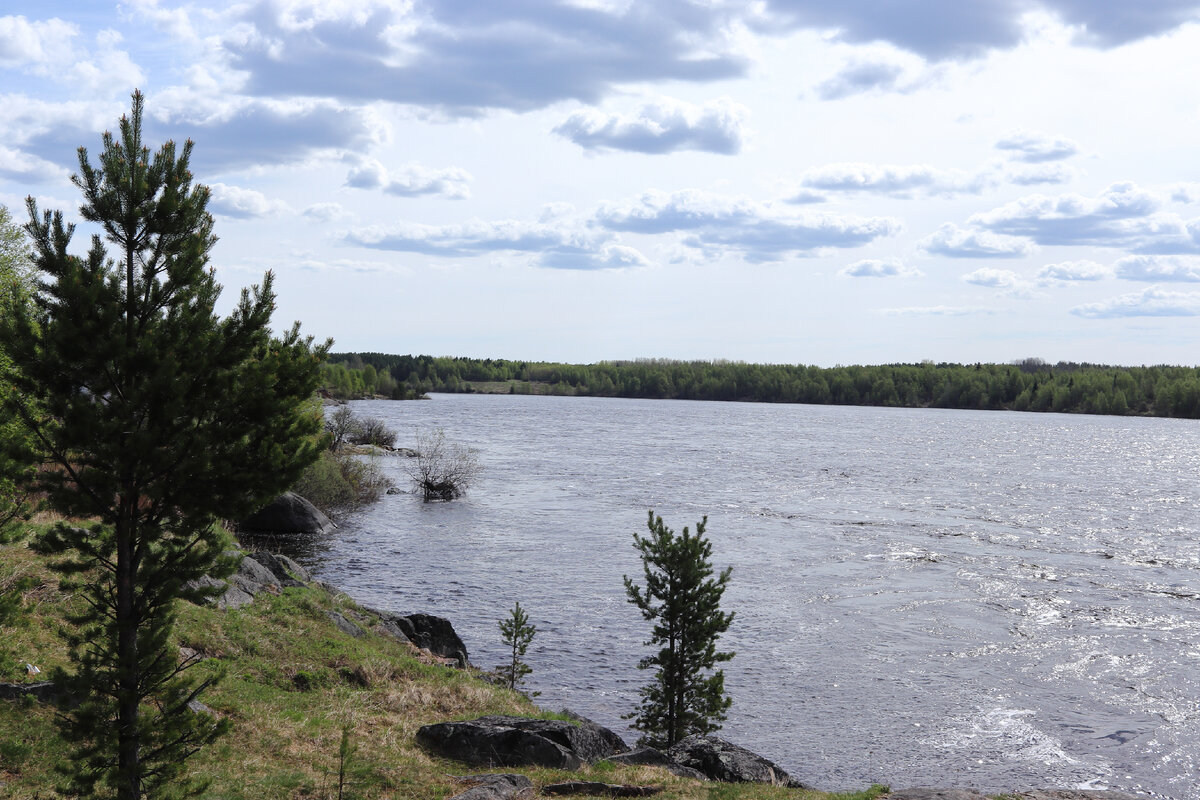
232	596
500	786
925	793
43	691
287	514
346	626
724	761
612	741
395	490
593	788
518	741
196	707
650	757
285	570
426	631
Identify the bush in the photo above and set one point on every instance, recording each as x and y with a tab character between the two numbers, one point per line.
372	430
340	482
442	470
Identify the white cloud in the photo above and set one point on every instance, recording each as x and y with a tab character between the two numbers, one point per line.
1072	271
326	212
240	203
24	168
1120	215
1034	147
758	232
663	126
410	180
994	278
1039	174
887	71
899	180
555	246
1177	269
1150	302
934	311
879	268
954	242
39	43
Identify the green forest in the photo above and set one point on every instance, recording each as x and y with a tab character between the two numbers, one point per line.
1028	385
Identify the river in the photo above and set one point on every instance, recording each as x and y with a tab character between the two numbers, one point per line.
922	597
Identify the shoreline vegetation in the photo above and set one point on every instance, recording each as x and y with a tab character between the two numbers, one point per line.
321	700
1028	385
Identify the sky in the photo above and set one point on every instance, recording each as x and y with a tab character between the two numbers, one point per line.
786	181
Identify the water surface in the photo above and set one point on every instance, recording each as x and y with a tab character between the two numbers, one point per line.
922	597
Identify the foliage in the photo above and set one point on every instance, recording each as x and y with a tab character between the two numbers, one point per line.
351	379
1028	385
153	418
517	633
683	601
284	744
340	482
442	470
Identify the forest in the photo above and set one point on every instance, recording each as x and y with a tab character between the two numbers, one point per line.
1028	385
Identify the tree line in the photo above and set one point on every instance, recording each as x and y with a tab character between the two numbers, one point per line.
1028	385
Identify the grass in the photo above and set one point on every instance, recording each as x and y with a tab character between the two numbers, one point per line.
306	702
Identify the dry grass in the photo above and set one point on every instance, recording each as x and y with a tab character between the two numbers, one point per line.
293	683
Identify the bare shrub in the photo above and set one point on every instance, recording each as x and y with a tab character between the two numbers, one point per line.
372	430
442	470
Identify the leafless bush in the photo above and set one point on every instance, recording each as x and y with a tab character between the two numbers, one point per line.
372	430
442	470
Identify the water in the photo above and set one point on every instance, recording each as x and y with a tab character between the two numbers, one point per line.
923	597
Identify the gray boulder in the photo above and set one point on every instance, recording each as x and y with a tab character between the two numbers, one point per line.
426	631
720	760
345	625
285	570
43	691
496	787
650	757
287	514
518	741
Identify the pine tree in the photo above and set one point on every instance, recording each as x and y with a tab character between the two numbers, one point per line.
517	634
153	418
683	600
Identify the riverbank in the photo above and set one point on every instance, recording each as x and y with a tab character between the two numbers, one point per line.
303	664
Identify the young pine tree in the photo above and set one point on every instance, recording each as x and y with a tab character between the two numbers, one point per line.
517	633
153	418
683	600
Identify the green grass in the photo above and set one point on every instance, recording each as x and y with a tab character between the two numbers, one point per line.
292	684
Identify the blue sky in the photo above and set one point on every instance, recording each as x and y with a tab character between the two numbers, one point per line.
794	181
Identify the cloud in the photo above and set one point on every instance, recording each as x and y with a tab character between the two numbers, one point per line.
1039	174
879	268
1150	302
1114	218
994	278
716	224
237	135
1033	147
555	246
24	168
24	43
465	58
934	311
805	197
411	180
1185	192
1073	271
951	29
326	212
860	77
954	242
896	180
1176	269
240	203
664	126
